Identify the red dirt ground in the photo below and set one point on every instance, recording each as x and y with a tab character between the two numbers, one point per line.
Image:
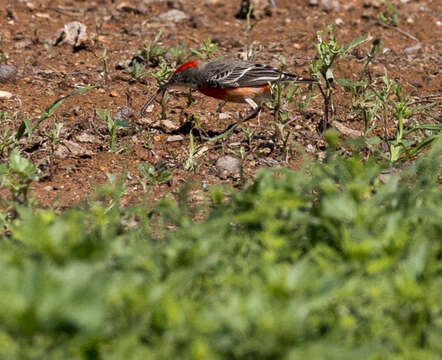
46	72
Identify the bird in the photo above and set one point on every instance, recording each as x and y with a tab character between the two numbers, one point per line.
230	80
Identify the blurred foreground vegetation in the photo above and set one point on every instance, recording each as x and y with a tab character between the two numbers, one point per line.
336	261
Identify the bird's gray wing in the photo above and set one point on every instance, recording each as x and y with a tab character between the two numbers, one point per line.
240	73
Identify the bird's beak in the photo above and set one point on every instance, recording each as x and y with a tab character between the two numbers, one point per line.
161	90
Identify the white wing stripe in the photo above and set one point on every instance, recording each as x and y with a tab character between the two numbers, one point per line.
243	73
265	78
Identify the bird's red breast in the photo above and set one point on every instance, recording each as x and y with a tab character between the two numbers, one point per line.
237	94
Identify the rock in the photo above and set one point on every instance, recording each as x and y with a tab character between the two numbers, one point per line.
7	72
173	138
351	133
313	2
269	162
149	108
168	125
48	188
42	15
331	5
413	48
23	44
5	95
309	148
223	116
86	138
339	21
77	149
61	152
74	34
173	15
228	166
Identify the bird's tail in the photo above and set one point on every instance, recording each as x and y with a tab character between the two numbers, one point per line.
286	77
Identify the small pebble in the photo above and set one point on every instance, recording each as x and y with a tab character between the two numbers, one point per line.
173	138
330	5
169	125
5	95
228	166
173	15
7	72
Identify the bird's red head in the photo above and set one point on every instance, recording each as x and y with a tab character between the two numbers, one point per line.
189	64
185	75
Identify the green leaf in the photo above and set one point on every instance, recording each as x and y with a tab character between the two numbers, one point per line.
54	106
354	43
22	166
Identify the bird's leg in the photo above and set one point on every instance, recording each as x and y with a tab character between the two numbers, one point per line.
252	114
229	130
255	110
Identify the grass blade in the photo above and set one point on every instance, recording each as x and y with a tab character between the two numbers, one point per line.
54	106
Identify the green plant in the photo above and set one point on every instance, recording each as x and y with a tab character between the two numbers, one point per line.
162	74
190	163
151	175
359	88
114	124
249	16
152	54
332	261
11	138
389	16
104	58
53	136
328	52
16	175
282	97
136	70
206	49
178	53
392	103
8	138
